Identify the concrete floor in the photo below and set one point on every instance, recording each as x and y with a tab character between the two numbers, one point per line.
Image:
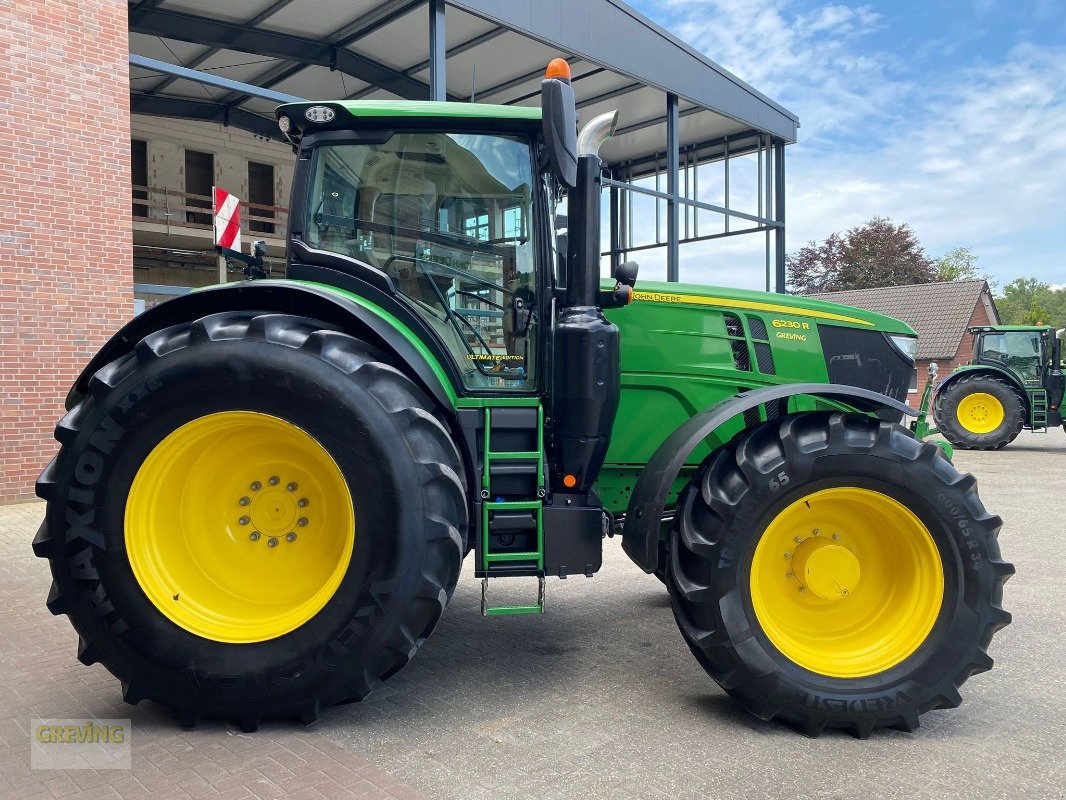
597	698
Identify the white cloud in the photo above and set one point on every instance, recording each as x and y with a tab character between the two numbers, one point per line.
982	163
973	156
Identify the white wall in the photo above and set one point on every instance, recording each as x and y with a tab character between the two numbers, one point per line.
233	148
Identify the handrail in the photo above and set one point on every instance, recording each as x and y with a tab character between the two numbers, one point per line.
173	207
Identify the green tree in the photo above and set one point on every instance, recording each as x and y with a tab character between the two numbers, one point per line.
1030	301
1018	296
1036	314
958	264
879	253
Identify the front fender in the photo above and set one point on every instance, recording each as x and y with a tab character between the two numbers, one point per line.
349	313
640	536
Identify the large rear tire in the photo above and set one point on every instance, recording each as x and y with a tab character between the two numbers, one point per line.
252	516
979	412
831	571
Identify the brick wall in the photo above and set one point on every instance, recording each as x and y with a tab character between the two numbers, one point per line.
65	226
962	356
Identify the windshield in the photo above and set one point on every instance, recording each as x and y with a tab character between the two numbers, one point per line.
448	216
1019	350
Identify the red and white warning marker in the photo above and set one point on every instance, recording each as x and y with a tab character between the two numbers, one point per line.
227	220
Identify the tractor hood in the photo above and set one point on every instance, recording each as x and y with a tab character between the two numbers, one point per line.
697	297
756	339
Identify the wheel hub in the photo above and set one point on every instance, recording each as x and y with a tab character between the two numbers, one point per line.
825	568
274	509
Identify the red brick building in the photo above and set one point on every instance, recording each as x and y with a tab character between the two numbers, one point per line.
65	231
941	313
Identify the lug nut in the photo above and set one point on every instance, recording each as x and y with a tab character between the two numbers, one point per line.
290	536
256	486
302	522
245	520
836	537
244	501
790	575
274	480
788	556
302	502
815	532
292	487
798	539
254	536
272	542
802	590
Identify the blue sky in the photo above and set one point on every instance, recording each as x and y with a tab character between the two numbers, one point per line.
950	116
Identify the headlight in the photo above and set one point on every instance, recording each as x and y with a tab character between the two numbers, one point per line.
907	346
284	123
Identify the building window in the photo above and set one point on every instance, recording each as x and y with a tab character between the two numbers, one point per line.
260	193
199	179
477	227
513	223
139	175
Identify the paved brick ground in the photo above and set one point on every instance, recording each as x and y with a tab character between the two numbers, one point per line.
598	698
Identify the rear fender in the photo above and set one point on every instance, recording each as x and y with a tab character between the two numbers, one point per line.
363	319
640	536
984	369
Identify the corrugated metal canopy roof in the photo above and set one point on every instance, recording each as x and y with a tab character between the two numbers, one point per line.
497	49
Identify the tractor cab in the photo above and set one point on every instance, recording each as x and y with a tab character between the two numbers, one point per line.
1024	351
446	211
1032	354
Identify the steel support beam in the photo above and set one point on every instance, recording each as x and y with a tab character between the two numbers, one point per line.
615	249
173	70
157	106
536	93
613	93
262	16
460	48
673	152
779	215
273	44
684	201
438	56
521	79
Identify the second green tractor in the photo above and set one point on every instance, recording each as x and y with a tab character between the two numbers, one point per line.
1013	381
266	490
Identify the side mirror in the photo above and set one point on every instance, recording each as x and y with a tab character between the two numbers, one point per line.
626	273
559	122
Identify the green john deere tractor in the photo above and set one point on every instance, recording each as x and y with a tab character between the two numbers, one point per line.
266	489
1014	381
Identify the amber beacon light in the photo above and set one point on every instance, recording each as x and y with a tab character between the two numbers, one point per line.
558	68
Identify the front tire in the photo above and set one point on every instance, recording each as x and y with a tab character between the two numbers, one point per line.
252	516
831	571
979	412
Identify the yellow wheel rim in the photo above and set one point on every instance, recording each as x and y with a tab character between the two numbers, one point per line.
980	412
239	527
846	582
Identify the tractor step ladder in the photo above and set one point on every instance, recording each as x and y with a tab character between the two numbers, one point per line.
512	517
1038	405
